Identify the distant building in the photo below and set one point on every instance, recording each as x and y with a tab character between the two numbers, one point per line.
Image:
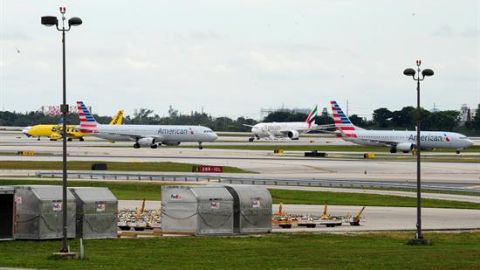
465	114
55	110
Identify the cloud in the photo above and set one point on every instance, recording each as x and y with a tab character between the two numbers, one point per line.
447	31
206	35
14	36
140	63
443	31
471	33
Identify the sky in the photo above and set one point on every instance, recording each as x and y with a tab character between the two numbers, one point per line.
232	58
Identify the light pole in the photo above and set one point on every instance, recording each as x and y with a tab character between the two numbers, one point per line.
411	72
74	21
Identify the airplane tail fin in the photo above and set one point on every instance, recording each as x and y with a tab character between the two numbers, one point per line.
311	116
118	118
88	124
343	125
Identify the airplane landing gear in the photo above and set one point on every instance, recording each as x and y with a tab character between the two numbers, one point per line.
458	152
251	139
81	139
153	146
136	146
69	139
200	145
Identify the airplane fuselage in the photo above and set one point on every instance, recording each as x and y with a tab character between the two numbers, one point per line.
53	131
164	134
428	139
279	130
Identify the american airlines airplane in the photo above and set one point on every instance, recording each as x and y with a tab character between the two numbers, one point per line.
397	140
290	130
144	135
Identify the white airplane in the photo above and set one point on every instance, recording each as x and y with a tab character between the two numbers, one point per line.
397	140
144	135
290	130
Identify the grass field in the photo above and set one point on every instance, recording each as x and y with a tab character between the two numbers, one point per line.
151	191
274	251
112	166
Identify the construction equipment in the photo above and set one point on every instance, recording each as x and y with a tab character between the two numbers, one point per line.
325	214
282	219
355	221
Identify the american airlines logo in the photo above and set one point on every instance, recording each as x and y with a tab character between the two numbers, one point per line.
174	131
429	138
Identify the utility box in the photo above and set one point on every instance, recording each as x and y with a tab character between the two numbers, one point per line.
199	210
315	153
99	167
369	155
39	212
7	212
96	212
252	209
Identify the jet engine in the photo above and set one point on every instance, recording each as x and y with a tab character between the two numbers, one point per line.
293	134
404	147
145	142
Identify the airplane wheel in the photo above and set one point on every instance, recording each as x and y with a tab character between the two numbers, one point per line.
153	146
458	152
69	139
251	139
136	146
82	139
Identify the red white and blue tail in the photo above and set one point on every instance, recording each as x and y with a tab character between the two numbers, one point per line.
87	122
311	116
343	125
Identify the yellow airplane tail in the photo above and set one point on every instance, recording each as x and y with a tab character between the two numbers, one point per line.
118	118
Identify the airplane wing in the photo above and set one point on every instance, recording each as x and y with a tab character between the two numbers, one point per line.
316	128
247	125
134	137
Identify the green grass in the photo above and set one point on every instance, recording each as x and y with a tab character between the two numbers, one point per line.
338	198
151	191
274	251
112	166
307	147
122	190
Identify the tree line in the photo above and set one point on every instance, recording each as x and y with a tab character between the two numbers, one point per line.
383	118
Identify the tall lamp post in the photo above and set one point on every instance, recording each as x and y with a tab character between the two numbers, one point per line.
74	21
425	73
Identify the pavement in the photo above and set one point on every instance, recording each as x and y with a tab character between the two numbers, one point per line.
374	218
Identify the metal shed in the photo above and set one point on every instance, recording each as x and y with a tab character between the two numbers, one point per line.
96	211
252	209
201	210
40	212
7	212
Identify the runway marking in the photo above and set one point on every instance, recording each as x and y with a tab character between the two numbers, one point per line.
320	169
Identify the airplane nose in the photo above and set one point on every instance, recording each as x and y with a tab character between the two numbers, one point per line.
214	136
469	142
26	130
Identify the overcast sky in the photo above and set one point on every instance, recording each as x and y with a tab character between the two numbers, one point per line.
232	58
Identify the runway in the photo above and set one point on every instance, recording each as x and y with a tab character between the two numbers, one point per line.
264	164
290	166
